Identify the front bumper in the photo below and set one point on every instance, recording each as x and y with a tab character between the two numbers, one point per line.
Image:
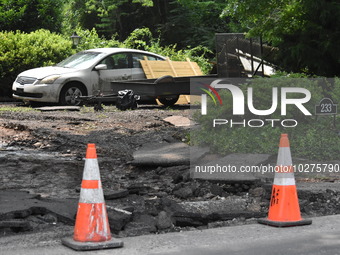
39	93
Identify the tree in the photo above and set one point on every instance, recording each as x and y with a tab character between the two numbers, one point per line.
30	15
193	22
181	22
107	16
307	32
76	14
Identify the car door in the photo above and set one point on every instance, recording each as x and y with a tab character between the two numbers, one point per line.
118	68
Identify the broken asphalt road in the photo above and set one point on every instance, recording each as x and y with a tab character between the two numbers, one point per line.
322	237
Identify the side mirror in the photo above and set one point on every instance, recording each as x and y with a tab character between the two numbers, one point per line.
100	67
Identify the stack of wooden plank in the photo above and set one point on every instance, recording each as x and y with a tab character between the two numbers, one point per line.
156	69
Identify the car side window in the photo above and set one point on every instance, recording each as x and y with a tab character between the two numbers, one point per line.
136	57
116	61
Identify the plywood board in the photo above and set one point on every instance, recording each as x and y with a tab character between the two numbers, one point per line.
155	69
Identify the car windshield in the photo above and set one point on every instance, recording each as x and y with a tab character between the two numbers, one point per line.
81	60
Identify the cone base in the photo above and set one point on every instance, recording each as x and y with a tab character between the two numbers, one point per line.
284	223
88	246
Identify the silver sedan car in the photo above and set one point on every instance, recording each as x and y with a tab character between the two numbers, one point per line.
86	73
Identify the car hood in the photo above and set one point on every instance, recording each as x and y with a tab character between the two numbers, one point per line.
43	72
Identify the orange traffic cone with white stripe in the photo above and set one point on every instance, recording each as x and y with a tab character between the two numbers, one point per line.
92	230
284	209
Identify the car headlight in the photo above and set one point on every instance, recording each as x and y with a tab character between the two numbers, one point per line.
49	79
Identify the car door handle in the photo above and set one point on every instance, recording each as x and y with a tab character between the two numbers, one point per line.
126	77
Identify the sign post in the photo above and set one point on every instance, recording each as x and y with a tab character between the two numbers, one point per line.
326	107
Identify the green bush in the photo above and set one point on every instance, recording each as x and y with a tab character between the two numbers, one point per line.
22	51
143	39
262	97
319	140
315	138
91	40
334	92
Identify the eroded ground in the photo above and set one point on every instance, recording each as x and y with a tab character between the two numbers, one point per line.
42	153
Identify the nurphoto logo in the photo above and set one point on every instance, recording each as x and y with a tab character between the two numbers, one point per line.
240	102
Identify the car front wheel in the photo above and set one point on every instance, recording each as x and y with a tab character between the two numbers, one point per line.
70	94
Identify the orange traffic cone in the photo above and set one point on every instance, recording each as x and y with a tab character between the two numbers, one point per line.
284	209
92	230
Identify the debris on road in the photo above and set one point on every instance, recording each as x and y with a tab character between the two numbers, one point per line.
166	154
58	108
41	153
180	121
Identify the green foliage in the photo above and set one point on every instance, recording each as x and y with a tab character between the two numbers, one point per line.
73	13
30	15
184	23
314	46
268	18
306	32
311	138
144	40
317	141
140	38
91	40
107	16
262	95
22	51
147	3
193	23
107	12
334	92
